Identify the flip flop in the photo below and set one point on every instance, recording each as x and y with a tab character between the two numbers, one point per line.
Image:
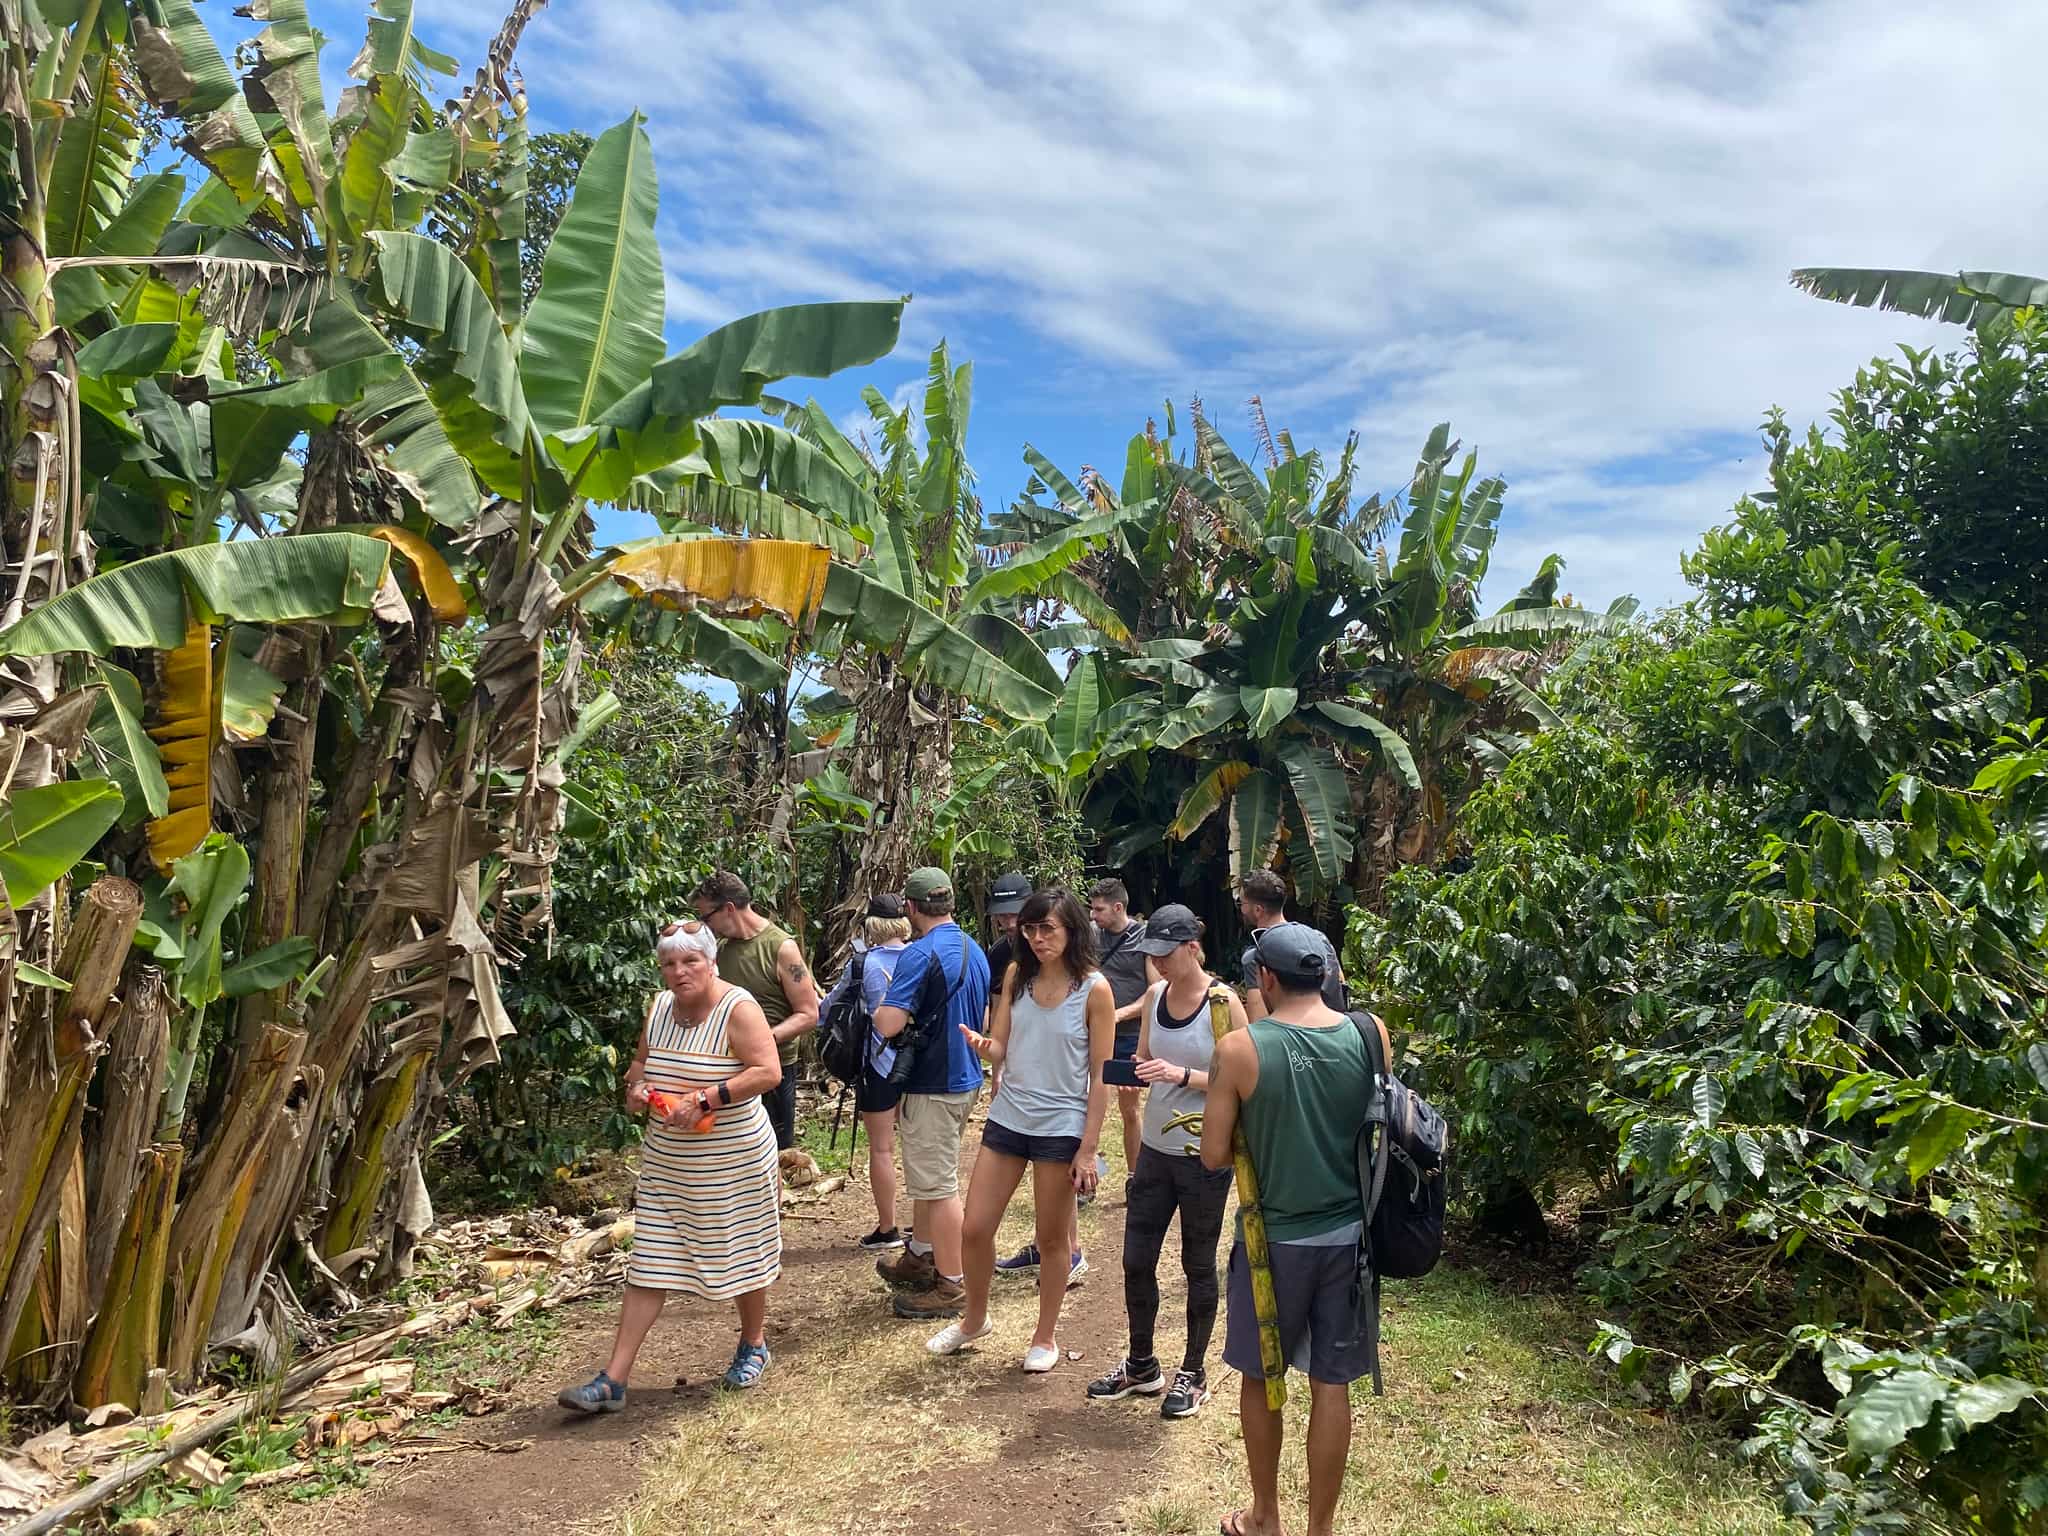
1232	1524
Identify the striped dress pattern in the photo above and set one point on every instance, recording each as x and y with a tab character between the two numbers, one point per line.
708	1213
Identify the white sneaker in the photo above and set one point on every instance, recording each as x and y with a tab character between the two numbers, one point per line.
953	1338
1040	1358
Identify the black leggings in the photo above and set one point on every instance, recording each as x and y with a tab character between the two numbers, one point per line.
1162	1185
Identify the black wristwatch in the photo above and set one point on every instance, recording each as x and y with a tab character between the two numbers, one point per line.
725	1092
1187	1077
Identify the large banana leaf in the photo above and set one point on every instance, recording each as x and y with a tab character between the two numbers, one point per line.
873	614
741	578
1229	471
763	457
1537	626
48	828
1075	730
680	501
136	230
130	758
316	576
437	582
1266	708
1030	568
725	652
1254	822
1023	652
656	422
1205	795
288	74
1963	298
1362	729
96	149
1064	491
391	48
1210	710
595	326
1322	795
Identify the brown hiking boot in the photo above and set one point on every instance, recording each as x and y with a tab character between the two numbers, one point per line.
942	1298
909	1271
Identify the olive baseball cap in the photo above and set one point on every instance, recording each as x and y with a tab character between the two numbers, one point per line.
1169	928
926	883
1009	894
1293	952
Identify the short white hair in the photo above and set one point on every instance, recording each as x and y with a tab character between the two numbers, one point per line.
681	940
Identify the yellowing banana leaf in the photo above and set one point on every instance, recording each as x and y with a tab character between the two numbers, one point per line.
1207	792
443	595
742	578
188	726
325	577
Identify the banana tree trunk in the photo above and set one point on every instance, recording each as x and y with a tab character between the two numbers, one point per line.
138	1047
352	1238
125	1343
902	762
40	1144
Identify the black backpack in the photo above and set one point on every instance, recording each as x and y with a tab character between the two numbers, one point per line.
843	1042
1403	1163
928	1024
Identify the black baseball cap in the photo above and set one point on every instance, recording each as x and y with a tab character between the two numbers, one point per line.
1009	894
886	904
1293	952
1169	928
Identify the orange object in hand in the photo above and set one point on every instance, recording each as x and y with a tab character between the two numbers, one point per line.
666	1104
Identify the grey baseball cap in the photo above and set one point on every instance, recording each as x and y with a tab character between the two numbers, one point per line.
1293	952
1008	894
1169	928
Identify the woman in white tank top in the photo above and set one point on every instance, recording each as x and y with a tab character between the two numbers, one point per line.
1052	1027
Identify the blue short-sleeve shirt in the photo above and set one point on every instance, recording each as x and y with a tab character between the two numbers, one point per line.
950	1066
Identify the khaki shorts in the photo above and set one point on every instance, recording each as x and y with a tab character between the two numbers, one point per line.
929	1128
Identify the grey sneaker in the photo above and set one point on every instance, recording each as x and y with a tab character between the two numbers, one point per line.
1126	1379
1184	1401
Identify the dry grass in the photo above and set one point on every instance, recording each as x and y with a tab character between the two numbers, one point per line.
1493	1423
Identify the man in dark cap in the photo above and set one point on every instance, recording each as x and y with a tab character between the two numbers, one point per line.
1299	1083
1006	899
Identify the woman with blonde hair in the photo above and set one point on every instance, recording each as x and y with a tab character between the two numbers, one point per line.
884	933
708	1213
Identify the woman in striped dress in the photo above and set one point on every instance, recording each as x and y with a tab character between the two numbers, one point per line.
708	1214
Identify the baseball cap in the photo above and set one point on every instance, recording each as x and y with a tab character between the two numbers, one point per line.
926	883
1008	894
885	904
1169	928
1292	951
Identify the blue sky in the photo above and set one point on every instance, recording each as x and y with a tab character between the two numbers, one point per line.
1565	229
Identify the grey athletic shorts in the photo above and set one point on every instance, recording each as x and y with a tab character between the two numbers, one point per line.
1320	1330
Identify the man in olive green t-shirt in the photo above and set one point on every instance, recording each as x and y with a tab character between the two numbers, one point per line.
756	954
1299	1083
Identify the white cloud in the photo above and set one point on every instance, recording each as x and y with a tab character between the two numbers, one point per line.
1566	230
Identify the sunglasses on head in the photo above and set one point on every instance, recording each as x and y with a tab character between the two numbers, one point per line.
681	925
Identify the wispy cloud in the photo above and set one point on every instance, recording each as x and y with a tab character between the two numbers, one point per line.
1564	229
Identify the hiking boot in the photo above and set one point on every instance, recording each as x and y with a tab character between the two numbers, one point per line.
942	1298
882	1239
909	1271
1190	1391
1023	1262
1125	1380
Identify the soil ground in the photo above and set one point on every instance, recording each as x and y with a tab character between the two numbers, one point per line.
1492	1423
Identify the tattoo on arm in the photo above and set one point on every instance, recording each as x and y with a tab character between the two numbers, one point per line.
795	971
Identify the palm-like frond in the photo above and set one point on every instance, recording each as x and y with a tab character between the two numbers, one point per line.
1962	298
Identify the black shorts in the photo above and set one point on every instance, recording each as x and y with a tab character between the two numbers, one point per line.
1322	1329
875	1096
1126	1048
996	1137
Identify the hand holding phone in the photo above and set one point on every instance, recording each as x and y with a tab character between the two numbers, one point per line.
1121	1073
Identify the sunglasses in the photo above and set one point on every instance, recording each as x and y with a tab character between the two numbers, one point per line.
1041	930
682	925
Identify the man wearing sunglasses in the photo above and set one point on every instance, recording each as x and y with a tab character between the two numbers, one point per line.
757	954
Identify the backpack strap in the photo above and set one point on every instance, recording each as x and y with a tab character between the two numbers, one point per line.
1372	1168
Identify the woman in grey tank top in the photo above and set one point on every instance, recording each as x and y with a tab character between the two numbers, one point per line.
1175	1043
1052	1026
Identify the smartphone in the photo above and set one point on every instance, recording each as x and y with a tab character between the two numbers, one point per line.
1121	1073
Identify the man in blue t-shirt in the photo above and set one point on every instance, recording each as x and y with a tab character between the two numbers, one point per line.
943	1083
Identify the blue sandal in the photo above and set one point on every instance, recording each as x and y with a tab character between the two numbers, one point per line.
747	1367
600	1394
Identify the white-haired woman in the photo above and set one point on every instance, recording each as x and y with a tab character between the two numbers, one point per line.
708	1215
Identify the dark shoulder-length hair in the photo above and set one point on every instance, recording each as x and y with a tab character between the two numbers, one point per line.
1072	916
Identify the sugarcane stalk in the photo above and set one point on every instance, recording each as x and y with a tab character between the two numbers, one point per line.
1265	1304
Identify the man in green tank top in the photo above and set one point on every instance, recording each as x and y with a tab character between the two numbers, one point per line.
756	954
1299	1083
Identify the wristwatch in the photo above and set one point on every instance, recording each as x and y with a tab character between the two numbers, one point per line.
1187	1077
725	1092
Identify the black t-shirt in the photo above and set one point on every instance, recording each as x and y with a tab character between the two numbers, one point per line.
1000	955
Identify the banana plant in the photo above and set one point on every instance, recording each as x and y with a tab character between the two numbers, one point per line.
1961	298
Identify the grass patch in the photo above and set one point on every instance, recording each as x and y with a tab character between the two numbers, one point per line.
814	1135
1494	1422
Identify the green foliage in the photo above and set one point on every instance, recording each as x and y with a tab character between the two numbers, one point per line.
1751	954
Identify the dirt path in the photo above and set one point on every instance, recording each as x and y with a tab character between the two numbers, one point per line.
984	1439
